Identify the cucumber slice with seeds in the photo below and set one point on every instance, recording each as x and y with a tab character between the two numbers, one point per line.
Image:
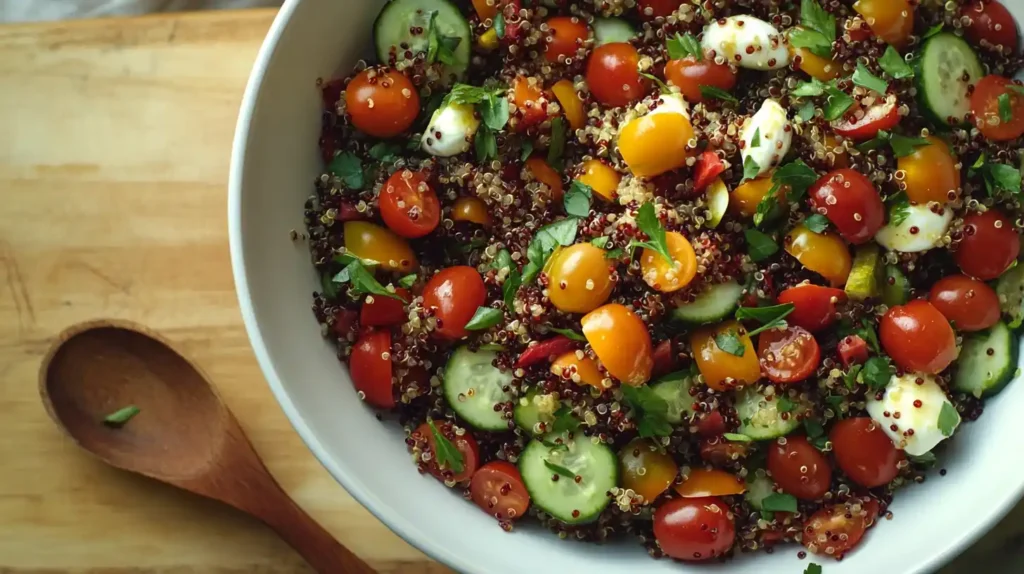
675	390
561	496
987	362
392	33
760	418
945	70
1010	288
611	30
712	305
473	386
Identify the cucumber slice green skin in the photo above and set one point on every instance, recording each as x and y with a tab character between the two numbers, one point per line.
397	17
595	463
895	288
528	411
467	371
938	73
760	419
758	489
675	390
712	305
611	30
981	374
1010	289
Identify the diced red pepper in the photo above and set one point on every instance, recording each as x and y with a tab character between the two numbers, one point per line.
709	166
666	360
853	350
545	351
381	311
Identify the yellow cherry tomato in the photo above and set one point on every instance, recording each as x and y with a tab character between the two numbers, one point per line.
701	483
545	174
890	20
840	158
582	371
601	177
824	69
724	370
655	143
621	342
471	209
375	243
571	103
930	173
580	278
646	469
665	276
744	199
824	253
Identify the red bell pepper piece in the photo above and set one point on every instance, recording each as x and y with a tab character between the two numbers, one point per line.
853	350
545	350
709	166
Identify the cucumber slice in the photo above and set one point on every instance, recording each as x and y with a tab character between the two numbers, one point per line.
712	305
565	499
988	360
473	385
610	30
392	35
1010	288
945	69
760	419
718	202
675	390
758	489
535	408
896	288
865	278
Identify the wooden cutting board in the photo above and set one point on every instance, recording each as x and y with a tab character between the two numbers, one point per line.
115	138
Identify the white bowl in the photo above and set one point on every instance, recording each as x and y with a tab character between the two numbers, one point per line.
274	163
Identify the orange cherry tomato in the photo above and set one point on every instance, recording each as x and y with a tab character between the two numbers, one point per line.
382	102
702	483
486	9
835	530
918	337
689	75
824	253
371	370
498	489
471	209
530	102
646	469
799	468
931	173
572	104
722	370
969	304
992	22
814	306
666	276
542	172
408	204
655	143
744	199
580	278
694	529
788	355
614	76
375	243
621	341
601	177
657	8
890	20
824	69
582	371
985	107
469	451
864	452
851	203
566	36
454	294
989	246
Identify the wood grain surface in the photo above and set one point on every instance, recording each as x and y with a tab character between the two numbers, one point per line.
115	138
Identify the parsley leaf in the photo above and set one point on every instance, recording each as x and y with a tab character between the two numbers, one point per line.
662	86
997	176
876	373
903	146
850	378
785	405
892	63
779	502
948	419
561	470
730	343
768	208
816	222
386	152
684	45
577	199
1005	110
815	433
445	452
440	48
557	147
484	318
899	210
472	95
568	333
813	40
648	222
932	31
349	169
797	176
880	139
409	280
838	102
494	111
806	111
813	568
718	94
737	437
750	168
527	149
362	281
561	232
600	242
813	16
865	79
649	411
761	246
510	287
769	317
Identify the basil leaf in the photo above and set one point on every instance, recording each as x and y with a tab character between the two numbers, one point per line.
362	281
445	452
494	111
648	222
730	343
662	86
892	63
349	169
948	419
816	222
797	176
760	245
683	46
510	287
577	199
408	281
486	144
838	102
484	318
560	470
806	111
568	333
750	168
903	146
769	317
865	79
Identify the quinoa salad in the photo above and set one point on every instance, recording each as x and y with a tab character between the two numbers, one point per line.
717	277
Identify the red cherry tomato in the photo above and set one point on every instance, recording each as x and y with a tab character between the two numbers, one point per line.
657	8
613	75
788	355
689	75
861	125
852	350
918	337
546	350
814	306
498	489
409	205
989	246
469	451
992	22
381	311
721	452
835	530
985	107
799	468
382	102
851	203
711	424
666	358
865	452
371	371
454	294
566	37
968	303
709	166
694	529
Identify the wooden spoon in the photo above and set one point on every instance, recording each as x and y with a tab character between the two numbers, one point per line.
183	435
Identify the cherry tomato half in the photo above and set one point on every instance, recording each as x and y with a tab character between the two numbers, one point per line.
969	304
621	341
918	337
383	311
788	355
498	489
666	276
985	107
835	530
370	368
799	468
814	306
701	483
469	451
694	529
454	294
864	452
471	209
860	125
408	204
723	370
372	242
824	253
689	75
992	22
708	167
851	203
890	20
382	102
646	469
531	102
989	245
613	75
566	36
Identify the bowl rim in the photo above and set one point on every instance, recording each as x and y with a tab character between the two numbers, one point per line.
394	521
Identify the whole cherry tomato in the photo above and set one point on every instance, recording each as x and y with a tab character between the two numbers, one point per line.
852	350
918	337
613	75
985	108
689	75
459	470
382	102
565	37
992	22
370	368
864	452
498	489
835	530
860	125
851	203
694	529
383	311
724	370
655	143
408	204
814	306
788	355
969	304
454	294
621	341
799	468
989	246
647	469
580	278
931	173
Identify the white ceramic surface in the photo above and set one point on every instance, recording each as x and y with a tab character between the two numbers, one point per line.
275	160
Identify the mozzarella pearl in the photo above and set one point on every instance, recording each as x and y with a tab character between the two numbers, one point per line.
911	405
774	136
921	230
450	131
747	42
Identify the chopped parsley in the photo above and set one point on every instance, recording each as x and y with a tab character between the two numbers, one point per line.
837	104
865	79
814	87
486	144
784	404
562	232
440	48
362	281
899	208
600	242
816	222
876	373
410	279
349	169
445	453
815	433
649	411
948	419
730	343
1005	108
892	63
926	460
769	317
903	146
648	222
750	168
386	152
484	318
797	176
816	19
997	176
806	111
577	199
684	46
812	568
565	421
